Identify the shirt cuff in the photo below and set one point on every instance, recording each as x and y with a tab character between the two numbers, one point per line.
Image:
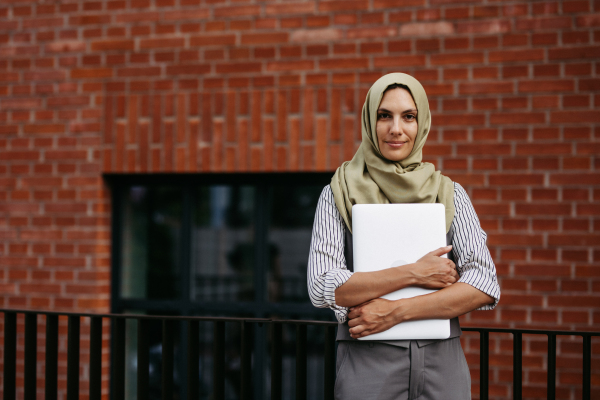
333	280
472	275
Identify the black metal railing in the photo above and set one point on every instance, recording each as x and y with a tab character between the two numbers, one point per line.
246	325
484	344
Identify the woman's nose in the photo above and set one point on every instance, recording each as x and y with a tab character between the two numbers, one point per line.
397	126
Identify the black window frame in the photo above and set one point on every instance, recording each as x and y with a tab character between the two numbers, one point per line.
119	182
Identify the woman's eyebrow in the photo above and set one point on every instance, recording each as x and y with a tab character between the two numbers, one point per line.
403	112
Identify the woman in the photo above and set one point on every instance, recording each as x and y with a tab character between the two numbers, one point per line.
388	168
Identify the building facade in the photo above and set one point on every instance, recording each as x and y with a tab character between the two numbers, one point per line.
189	122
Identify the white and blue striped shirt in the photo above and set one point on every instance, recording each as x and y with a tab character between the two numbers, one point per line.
327	265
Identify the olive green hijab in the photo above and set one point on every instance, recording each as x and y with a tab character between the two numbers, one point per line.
369	178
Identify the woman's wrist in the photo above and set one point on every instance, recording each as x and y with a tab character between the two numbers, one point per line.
408	276
399	313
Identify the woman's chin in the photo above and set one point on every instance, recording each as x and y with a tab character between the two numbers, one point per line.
394	156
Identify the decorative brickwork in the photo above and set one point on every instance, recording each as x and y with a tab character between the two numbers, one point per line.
146	86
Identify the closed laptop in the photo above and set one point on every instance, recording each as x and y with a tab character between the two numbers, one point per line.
390	235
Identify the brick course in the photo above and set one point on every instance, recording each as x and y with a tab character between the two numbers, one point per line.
206	86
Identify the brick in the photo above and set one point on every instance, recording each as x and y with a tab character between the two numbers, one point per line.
238	67
516	55
457	58
542	209
555	85
213	40
182	15
81	73
374	32
589	20
427	29
20	103
342	5
290	65
290	8
344	63
264	38
576	53
162	43
517	118
539	23
399	61
574	117
488	26
486	87
316	35
378	4
516	179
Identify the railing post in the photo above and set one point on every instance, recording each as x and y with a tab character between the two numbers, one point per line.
10	355
517	365
587	368
118	371
167	360
484	349
300	362
551	381
143	360
95	391
246	362
329	362
30	356
193	359
276	360
50	391
73	358
219	360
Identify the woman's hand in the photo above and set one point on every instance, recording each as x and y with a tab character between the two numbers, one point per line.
374	316
434	272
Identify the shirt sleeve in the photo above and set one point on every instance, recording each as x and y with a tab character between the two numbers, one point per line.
326	262
473	260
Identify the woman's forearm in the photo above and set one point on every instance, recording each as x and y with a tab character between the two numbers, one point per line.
378	315
431	271
364	286
453	301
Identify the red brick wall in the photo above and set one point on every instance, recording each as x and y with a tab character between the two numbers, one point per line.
152	86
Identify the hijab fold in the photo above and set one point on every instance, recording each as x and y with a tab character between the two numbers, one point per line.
370	178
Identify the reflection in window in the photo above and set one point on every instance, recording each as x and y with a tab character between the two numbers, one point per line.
291	219
151	242
223	244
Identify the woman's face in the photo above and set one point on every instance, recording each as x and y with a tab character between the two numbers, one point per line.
396	124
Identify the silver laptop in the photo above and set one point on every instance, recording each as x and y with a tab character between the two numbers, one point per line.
390	235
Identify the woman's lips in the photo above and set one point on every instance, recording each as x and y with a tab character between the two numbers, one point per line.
396	145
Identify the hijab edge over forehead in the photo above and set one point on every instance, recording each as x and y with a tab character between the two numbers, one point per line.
370	178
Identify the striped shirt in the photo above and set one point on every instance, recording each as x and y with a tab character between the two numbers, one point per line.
327	265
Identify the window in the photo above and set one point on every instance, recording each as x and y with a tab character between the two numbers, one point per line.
233	245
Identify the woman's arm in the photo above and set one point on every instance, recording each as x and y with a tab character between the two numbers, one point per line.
431	272
326	262
379	315
477	287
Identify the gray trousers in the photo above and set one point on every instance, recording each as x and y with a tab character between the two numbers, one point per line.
371	370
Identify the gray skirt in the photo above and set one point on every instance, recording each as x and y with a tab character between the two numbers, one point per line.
371	370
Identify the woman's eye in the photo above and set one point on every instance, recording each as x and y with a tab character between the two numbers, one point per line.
410	117
383	116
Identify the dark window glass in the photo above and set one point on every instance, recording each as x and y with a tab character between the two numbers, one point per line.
232	246
292	212
223	244
151	243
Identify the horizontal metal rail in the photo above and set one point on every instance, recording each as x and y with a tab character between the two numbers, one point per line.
245	325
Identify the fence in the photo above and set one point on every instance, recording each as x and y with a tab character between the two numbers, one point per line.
117	370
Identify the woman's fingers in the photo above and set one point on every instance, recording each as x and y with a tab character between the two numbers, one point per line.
441	251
